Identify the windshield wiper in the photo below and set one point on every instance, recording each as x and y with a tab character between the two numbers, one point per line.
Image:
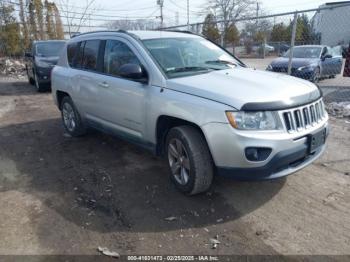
221	62
188	69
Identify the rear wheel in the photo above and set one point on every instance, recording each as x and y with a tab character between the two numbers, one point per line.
189	160
71	118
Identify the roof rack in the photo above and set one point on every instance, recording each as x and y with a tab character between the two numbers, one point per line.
103	31
180	31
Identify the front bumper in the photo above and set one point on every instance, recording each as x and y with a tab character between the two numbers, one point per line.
290	151
44	74
306	74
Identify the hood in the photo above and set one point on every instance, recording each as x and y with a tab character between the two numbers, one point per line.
239	86
296	62
51	60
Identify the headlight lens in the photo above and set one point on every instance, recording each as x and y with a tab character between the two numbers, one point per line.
269	68
310	67
265	120
42	64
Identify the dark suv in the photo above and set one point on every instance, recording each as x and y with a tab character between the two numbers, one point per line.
40	60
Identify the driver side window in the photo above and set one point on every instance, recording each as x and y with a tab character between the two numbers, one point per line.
116	55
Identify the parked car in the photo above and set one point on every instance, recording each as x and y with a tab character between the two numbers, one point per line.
182	96
280	48
40	60
268	48
311	62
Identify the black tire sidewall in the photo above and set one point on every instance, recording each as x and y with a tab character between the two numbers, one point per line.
176	133
79	128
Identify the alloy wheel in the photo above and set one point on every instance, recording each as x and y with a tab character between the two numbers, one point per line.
179	161
69	117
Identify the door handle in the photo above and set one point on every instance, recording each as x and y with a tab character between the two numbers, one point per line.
103	84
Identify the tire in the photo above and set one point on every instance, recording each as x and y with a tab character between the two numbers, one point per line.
316	75
195	163
69	113
39	87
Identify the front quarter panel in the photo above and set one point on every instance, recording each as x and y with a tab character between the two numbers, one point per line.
194	109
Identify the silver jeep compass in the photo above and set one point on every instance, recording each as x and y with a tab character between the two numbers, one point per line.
182	96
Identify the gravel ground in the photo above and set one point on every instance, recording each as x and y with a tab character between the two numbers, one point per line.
63	195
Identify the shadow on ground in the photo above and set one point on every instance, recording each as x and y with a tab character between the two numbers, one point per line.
112	184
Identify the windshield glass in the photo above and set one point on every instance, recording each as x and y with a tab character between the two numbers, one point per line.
49	49
188	56
305	52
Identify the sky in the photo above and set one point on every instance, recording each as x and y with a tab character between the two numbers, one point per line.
118	9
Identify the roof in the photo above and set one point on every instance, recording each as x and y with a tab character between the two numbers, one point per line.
309	46
48	41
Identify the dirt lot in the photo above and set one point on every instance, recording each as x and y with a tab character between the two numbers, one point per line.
62	195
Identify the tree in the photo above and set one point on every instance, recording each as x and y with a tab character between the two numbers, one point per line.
38	6
229	10
25	31
58	22
232	36
50	24
32	22
9	30
210	29
279	33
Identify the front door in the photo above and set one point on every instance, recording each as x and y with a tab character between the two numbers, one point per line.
121	102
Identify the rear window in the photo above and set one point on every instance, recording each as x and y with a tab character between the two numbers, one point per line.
90	54
78	59
71	52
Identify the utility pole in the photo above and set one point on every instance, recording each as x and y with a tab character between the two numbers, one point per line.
177	18
160	3
257	12
294	30
188	15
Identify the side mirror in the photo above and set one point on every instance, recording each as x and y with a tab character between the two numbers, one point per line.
28	54
134	72
326	57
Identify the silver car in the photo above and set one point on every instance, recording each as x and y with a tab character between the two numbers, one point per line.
182	96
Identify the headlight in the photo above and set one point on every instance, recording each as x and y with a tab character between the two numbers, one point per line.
266	120
42	64
310	67
269	68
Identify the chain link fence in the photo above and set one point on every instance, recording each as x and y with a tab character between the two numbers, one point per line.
311	44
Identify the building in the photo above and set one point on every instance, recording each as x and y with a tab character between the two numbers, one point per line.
332	25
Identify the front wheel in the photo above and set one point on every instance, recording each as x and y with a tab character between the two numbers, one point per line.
190	163
30	79
39	87
316	75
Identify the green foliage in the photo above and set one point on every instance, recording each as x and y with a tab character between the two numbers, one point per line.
279	33
210	29
232	35
9	31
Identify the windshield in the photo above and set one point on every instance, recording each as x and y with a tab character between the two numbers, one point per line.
305	52
188	56
49	48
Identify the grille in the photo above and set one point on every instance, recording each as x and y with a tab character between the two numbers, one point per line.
304	117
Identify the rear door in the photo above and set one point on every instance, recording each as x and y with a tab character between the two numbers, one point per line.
86	87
